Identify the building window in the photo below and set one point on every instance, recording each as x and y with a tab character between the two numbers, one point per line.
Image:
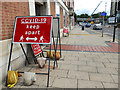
67	20
57	10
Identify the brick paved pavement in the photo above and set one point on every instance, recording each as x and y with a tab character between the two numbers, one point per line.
111	48
90	61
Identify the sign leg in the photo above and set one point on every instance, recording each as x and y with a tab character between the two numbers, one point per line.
9	62
53	40
24	53
42	54
59	36
32	52
35	59
49	67
54	49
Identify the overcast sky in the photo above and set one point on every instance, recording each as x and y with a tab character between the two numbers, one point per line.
88	6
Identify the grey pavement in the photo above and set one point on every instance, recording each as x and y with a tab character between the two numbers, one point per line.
79	69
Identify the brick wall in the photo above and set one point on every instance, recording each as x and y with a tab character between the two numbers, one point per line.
52	9
65	19
9	11
61	17
0	20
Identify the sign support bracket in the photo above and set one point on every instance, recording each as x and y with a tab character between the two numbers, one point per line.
58	37
49	67
24	53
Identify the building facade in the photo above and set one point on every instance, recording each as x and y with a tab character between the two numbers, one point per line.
10	9
118	14
112	11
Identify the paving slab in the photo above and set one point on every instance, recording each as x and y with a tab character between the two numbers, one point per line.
110	85
90	56
113	60
78	75
111	65
79	62
96	64
59	73
89	84
68	58
68	67
101	60
101	77
86	59
65	83
107	71
87	68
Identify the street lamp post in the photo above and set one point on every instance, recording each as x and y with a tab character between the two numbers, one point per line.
103	25
105	12
104	17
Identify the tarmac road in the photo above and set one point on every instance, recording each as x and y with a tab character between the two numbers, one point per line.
109	31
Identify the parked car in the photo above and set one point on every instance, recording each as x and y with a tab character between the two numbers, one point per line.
88	25
80	24
97	26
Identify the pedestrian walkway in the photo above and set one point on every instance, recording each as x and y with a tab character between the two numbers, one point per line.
90	61
88	41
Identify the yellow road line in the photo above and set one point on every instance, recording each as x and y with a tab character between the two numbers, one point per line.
80	34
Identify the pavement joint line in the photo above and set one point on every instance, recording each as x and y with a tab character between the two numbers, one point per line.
77	84
103	85
67	73
103	64
112	78
89	75
97	69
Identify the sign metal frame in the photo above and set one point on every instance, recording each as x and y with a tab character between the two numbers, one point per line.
9	62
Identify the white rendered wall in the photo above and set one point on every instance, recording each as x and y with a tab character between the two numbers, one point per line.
32	7
17	59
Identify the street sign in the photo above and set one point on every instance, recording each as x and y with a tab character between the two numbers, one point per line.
36	48
103	14
33	29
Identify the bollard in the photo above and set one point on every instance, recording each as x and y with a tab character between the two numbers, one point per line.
82	27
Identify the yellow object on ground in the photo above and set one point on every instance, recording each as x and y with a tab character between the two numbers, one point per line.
48	52
53	55
12	78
